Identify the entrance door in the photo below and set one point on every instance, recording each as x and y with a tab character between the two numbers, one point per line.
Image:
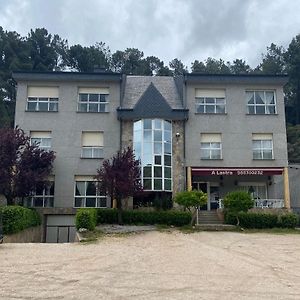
212	189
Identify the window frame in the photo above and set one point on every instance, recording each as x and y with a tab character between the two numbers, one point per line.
263	150
264	105
88	103
206	104
39	144
210	148
37	101
45	197
98	197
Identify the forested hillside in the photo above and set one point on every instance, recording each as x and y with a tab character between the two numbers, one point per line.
42	51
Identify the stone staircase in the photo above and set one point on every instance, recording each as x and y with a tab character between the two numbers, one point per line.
209	217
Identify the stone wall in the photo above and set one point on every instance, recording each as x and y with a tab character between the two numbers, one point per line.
178	156
29	235
127	134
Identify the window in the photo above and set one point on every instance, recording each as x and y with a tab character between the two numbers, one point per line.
211	146
152	143
41	138
262	145
42	196
92	144
261	102
88	193
257	190
210	101
42	98
93	99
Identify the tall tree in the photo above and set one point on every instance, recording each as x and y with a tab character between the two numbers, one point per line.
239	66
86	59
120	176
214	66
46	52
292	59
22	166
129	61
177	67
273	61
198	67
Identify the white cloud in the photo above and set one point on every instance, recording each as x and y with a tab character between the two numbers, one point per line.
188	30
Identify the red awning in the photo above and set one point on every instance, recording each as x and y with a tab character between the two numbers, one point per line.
236	171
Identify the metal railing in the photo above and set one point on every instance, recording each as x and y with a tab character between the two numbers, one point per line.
262	203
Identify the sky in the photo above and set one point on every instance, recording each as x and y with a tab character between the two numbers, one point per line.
183	29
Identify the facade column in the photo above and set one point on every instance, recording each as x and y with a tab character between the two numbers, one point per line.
286	188
189	178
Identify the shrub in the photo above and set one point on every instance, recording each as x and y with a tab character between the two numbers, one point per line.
86	218
288	220
18	218
238	201
189	199
171	217
257	220
230	218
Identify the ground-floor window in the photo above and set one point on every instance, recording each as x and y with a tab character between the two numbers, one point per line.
42	196
89	194
257	190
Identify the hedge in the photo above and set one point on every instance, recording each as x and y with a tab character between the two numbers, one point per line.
86	218
262	220
89	217
18	218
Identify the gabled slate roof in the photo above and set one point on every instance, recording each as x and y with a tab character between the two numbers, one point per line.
137	85
152	103
151	97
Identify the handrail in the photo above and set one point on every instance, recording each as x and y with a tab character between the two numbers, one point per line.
262	203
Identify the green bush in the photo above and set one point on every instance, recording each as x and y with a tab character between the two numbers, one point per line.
288	220
257	220
238	201
189	199
230	218
171	217
86	218
18	218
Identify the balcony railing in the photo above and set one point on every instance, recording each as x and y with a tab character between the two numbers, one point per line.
262	203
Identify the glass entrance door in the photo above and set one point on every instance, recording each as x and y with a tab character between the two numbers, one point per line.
213	193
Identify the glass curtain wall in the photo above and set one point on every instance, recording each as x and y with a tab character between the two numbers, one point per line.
152	142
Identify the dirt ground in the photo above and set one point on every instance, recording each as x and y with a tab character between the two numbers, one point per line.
155	265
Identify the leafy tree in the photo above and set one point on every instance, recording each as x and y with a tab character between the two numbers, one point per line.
293	139
120	176
198	67
177	67
273	61
85	59
236	202
22	166
46	52
191	200
292	59
129	61
214	66
239	66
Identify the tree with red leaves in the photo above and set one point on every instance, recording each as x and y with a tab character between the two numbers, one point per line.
120	176
22	166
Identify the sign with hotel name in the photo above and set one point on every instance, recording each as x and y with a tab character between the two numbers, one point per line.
237	171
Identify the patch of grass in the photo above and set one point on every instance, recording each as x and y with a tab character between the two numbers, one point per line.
91	236
189	229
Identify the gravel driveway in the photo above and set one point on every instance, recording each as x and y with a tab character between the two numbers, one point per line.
155	265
